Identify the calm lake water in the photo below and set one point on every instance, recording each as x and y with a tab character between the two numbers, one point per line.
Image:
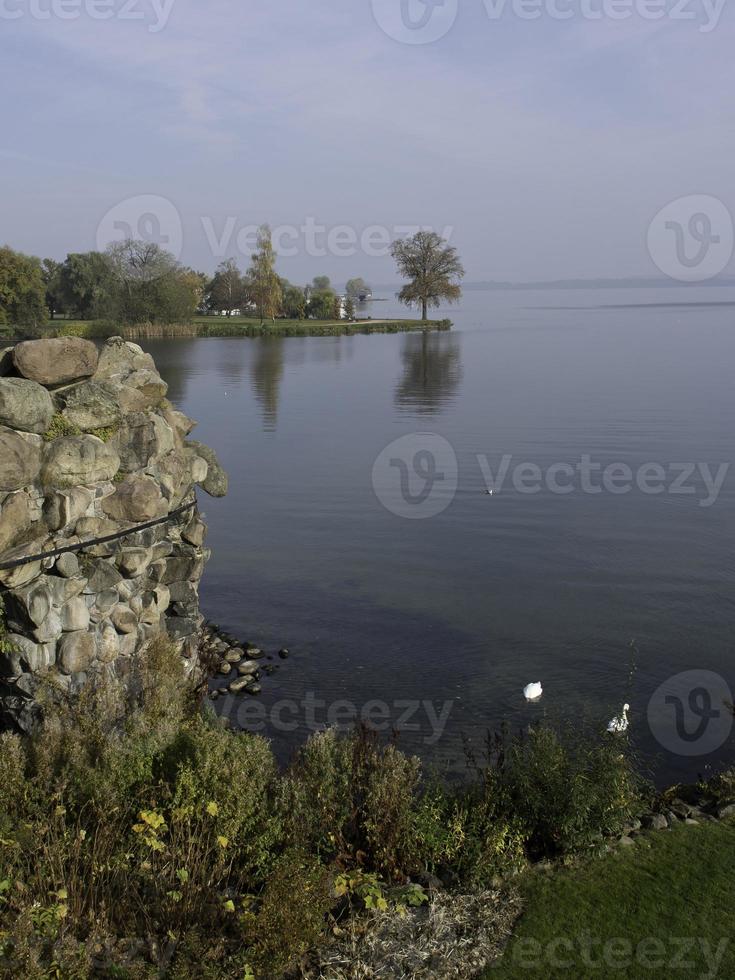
470	605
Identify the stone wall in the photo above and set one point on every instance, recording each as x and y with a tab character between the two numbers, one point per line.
90	447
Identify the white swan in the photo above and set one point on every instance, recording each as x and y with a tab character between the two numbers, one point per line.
619	725
532	692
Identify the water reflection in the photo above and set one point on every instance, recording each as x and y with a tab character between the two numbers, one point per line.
432	372
266	375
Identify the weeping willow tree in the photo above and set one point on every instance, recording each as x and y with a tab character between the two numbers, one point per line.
264	283
433	268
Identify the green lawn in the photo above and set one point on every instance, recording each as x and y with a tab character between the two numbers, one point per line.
663	908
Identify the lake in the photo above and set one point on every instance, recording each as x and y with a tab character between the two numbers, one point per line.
446	618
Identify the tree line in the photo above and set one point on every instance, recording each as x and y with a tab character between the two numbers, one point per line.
139	282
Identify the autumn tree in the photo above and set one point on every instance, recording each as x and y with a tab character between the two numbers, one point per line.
263	281
433	268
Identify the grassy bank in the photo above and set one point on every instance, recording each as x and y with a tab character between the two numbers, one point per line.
232	327
138	838
662	907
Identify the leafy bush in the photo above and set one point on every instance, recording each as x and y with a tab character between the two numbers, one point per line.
139	838
288	918
351	798
88	329
567	788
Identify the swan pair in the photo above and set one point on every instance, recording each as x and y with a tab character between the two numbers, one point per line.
617	726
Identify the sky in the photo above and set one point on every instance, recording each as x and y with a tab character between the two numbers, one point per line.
540	137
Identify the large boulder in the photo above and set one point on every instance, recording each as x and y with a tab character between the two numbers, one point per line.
6	361
17	513
120	358
78	460
25	405
75	615
215	483
20	460
144	438
56	361
30	656
92	405
64	507
76	651
150	385
137	499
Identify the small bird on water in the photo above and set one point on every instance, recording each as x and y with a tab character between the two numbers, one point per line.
532	692
619	725
490	493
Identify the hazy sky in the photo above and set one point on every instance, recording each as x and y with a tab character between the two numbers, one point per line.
546	144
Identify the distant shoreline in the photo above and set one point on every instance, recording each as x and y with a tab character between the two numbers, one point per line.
233	327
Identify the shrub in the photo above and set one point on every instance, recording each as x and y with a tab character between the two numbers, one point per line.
287	920
567	788
352	798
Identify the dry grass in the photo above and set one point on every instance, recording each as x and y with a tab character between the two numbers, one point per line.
455	937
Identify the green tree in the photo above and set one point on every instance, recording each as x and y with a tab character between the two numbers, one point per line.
87	285
151	286
323	304
228	289
22	290
51	272
433	268
349	308
321	284
358	290
264	284
294	302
